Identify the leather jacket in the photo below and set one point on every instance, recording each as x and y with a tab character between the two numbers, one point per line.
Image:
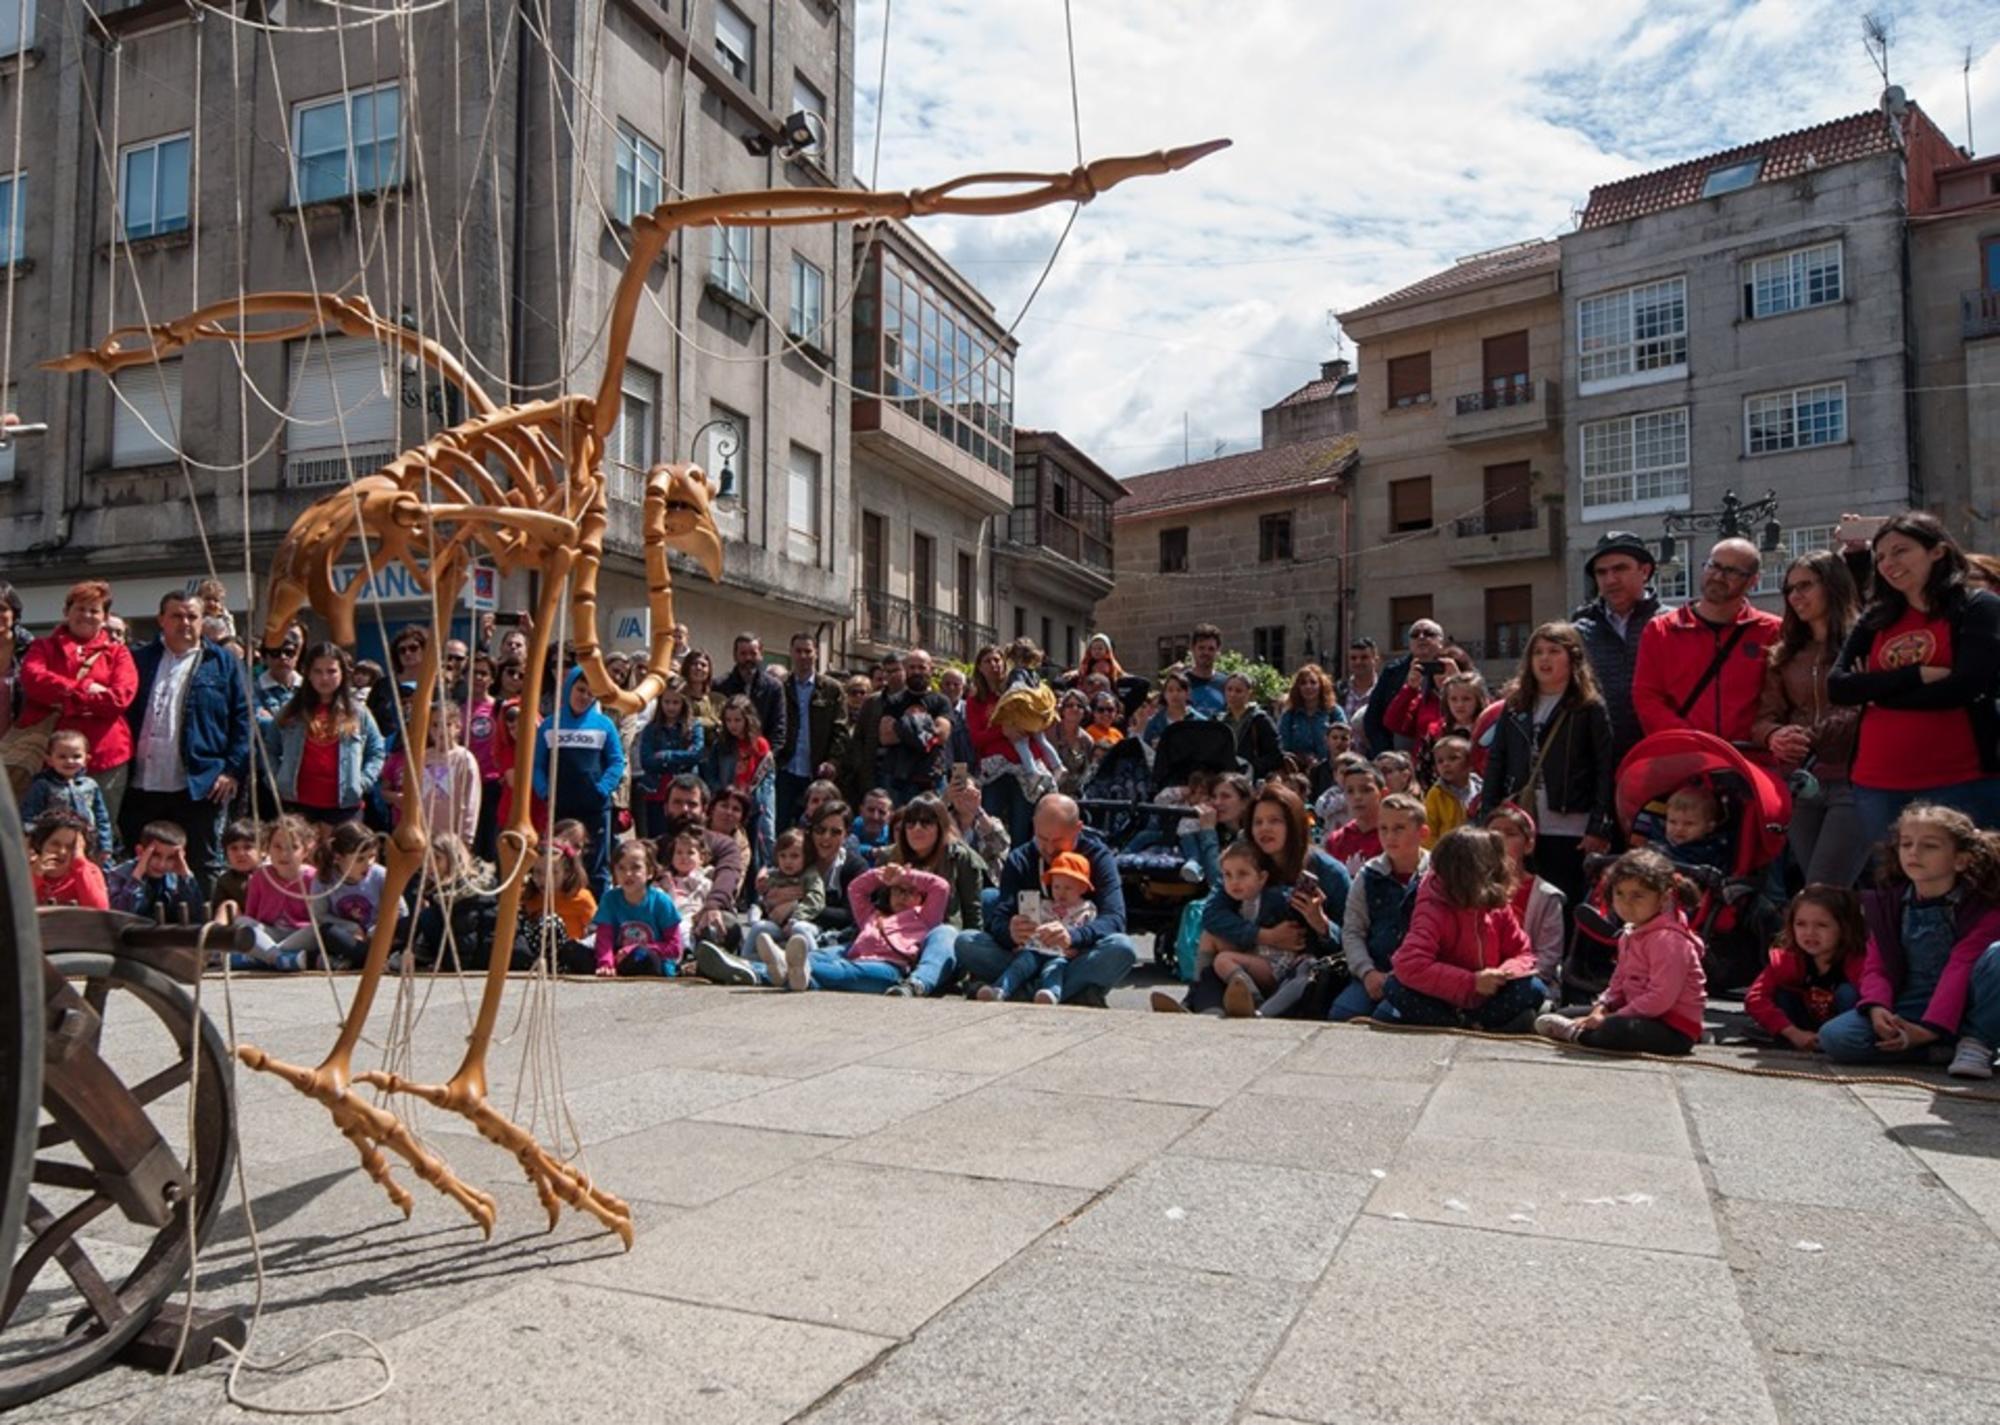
1578	774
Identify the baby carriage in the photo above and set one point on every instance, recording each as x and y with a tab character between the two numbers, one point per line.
1118	803
1756	806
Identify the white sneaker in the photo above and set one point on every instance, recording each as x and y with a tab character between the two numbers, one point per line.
1556	1026
798	968
1974	1059
775	963
1047	997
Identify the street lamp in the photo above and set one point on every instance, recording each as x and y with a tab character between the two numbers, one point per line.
1734	520
728	441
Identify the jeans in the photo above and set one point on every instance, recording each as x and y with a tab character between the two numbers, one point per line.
1878	807
1794	1004
1515	1000
1635	1034
1353	1002
791	799
833	971
1028	970
937	963
771	928
1102	966
1850	1038
1002	797
1827	838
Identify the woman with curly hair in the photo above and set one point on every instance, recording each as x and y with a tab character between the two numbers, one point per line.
1310	705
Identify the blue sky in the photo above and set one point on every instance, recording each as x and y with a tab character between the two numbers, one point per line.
1373	144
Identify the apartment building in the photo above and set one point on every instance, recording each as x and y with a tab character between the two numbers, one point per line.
1055	552
1740	322
1459	500
480	199
1955	309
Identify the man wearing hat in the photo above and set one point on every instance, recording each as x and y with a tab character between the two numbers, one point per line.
1621	566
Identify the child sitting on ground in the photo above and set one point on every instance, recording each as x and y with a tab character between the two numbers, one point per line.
686	876
58	843
156	882
1330	806
278	905
789	893
1658	992
1933	970
1537	904
64	783
1399	773
1465	963
1815	968
455	918
1248	971
1041	960
886	947
452	787
1456	788
1379	902
561	919
819	792
870	834
352	878
1692	835
638	929
240	860
1357	840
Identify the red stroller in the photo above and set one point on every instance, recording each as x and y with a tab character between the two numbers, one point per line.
1756	807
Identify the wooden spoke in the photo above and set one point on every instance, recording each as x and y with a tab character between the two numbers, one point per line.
51	1233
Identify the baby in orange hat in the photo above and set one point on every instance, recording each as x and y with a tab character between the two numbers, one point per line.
1066	883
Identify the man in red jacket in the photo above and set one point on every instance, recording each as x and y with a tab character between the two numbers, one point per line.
1702	665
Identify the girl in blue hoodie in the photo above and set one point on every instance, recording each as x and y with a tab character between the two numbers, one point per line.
588	764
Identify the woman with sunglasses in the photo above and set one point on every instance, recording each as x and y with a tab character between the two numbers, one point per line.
1809	738
407	652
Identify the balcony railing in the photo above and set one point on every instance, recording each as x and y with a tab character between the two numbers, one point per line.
1495	522
1502	411
1497	396
1045	529
306	469
1982	312
887	619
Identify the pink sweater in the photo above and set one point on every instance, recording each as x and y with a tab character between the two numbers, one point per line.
1659	974
1445	947
274	905
898	938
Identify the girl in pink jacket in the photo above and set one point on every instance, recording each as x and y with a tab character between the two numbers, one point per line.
1655	1000
887	946
1465	962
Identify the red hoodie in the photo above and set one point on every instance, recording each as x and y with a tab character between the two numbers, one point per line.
92	700
1445	947
1676	648
1792	970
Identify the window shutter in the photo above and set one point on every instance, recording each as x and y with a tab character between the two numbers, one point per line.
155	402
1410	503
1409	379
340	386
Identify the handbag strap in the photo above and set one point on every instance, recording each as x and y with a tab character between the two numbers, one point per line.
1714	667
1527	792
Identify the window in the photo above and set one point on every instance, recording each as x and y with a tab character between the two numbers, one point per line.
640	164
1509	498
1635	464
1274	538
348	144
153	186
1020	622
1633	332
1174	550
808	302
1510	615
735	42
635	440
1048	634
725	452
1791	281
14	211
1990	264
1503	362
1795	420
1267	645
17	27
802	517
1670	576
343	412
146	414
1069	645
968	589
874	552
1732	178
1405	610
806	99
729	262
1410	379
923	573
1802	540
1172	649
1409	504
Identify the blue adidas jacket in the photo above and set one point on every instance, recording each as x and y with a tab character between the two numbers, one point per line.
591	751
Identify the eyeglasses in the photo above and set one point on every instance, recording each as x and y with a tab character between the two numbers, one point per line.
1426	633
458	658
1732	571
1800	587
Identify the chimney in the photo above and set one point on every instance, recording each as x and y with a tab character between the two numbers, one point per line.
1333	370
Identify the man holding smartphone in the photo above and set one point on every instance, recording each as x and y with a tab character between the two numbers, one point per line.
1427	655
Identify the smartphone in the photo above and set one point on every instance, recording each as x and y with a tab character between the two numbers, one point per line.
1434	667
960	772
1860	529
1029	903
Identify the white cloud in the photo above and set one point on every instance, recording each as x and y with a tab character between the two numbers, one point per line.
1374	144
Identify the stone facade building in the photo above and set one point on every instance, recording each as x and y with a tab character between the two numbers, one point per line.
1054	555
1458	507
483	201
1740	322
1955	309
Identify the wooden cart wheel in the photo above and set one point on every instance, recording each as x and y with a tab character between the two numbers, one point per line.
83	1280
20	1025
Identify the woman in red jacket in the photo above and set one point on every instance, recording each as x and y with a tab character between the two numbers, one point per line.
86	678
1465	962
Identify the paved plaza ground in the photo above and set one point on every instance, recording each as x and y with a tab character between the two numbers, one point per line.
859	1209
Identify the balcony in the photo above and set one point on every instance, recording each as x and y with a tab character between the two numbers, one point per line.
1502	538
326	466
883	618
1981	309
1503	412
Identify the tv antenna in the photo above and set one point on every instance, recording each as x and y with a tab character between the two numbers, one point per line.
1875	39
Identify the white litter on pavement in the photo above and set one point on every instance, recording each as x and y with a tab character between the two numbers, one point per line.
1452	1204
1809	1246
1625	1199
1377	1173
1175	1214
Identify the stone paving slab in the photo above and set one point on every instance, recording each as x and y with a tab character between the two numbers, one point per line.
857	1208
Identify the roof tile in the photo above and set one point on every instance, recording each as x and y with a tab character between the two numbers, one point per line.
1245	476
1516	260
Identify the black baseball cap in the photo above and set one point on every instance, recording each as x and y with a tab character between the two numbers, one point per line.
1621	541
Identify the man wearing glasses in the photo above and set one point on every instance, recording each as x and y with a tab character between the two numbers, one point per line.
1427	652
1702	665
